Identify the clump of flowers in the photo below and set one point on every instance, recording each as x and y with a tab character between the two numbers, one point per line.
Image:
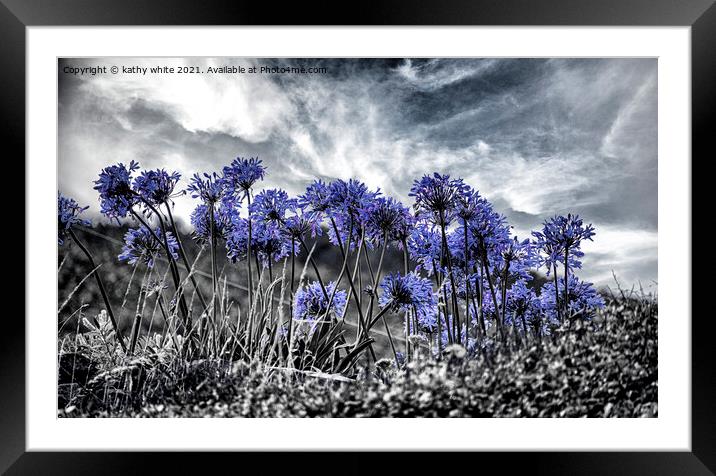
68	215
115	190
224	220
437	196
143	246
240	176
387	219
208	188
271	206
465	279
312	305
156	186
582	299
408	293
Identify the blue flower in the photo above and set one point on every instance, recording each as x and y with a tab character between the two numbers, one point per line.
140	245
299	225
583	299
240	176
209	189
68	215
115	190
468	204
317	197
521	257
224	218
349	200
523	306
437	196
489	229
271	206
407	293
562	236
312	305
237	241
386	217
156	186
268	242
424	247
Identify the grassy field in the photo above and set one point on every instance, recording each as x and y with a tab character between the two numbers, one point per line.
606	368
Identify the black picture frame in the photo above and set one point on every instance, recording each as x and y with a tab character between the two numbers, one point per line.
700	15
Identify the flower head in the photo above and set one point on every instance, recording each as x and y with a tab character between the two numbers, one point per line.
271	206
241	175
269	243
317	197
349	200
583	298
523	304
562	235
115	190
224	218
437	196
386	217
424	247
312	305
68	215
407	293
209	188
156	186
299	225
140	245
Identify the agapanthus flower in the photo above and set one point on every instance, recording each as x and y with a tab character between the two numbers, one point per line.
237	241
301	224
521	256
583	299
523	306
208	189
115	190
311	303
562	235
224	217
408	293
68	215
387	218
268	242
156	186
437	196
271	206
348	201
489	229
468	204
241	175
316	198
424	247
140	245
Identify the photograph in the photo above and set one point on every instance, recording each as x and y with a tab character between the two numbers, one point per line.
413	237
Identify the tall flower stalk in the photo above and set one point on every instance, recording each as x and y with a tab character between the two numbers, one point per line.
68	216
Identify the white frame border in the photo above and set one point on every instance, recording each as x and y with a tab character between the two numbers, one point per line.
670	431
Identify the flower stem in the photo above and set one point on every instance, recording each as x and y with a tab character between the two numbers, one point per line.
183	255
102	290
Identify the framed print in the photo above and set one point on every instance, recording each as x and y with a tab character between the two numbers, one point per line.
442	228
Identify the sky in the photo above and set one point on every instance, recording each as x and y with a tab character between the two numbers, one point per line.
537	137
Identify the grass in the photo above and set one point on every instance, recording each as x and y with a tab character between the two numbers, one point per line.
604	368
